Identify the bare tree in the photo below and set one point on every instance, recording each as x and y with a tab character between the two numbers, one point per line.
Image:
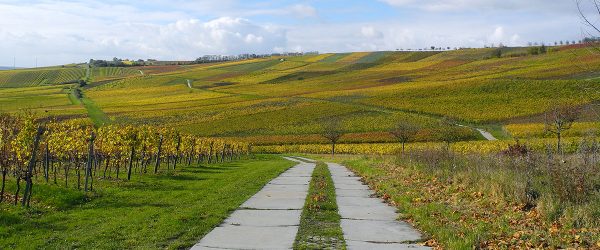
593	31
404	132
332	131
589	12
560	118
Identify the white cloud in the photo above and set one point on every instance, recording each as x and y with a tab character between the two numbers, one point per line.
58	31
500	36
456	5
371	32
299	11
183	39
302	10
399	35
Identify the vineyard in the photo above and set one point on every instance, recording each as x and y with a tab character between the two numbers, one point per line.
75	154
34	77
104	73
570	144
285	100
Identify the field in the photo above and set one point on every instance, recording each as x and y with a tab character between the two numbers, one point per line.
285	100
35	77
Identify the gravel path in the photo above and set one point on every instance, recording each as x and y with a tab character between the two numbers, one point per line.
269	219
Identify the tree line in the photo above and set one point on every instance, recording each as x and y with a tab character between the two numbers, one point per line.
558	118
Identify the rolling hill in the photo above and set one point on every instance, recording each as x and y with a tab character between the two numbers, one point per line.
285	100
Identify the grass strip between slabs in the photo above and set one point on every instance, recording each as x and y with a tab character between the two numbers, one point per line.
320	222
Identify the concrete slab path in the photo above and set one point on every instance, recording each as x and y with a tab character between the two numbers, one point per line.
367	222
488	136
269	219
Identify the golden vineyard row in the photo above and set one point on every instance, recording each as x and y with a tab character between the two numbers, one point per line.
569	144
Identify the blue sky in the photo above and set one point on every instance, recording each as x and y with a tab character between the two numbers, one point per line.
59	32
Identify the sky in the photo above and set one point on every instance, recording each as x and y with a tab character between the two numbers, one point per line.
53	32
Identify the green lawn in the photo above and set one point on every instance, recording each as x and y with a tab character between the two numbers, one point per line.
170	210
94	112
320	221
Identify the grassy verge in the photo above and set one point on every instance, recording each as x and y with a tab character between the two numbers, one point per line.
94	112
170	210
320	221
497	130
484	201
72	98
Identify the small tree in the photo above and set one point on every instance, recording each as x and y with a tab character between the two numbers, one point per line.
332	131
404	132
534	51
447	132
560	118
497	53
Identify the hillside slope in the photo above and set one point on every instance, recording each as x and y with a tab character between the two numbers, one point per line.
285	100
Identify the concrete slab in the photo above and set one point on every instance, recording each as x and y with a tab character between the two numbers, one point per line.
354	193
293	159
348	180
264	218
273	203
361	245
269	219
360	201
285	188
379	231
383	213
305	159
290	181
276	194
248	237
305	172
341	172
368	222
296	175
351	186
352	177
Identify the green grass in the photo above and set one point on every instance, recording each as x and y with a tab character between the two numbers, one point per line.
42	100
450	235
462	202
171	210
96	114
320	221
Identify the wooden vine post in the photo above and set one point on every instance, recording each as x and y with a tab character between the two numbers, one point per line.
30	166
88	167
131	156
160	141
